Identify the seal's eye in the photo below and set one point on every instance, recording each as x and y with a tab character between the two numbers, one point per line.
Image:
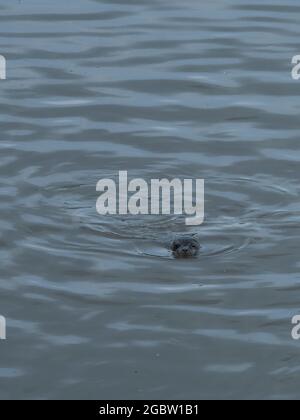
176	246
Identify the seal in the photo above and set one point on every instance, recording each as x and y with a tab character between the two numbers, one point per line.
185	247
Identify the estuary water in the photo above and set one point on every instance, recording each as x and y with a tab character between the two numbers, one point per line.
96	307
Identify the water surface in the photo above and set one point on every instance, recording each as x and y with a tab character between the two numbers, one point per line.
95	306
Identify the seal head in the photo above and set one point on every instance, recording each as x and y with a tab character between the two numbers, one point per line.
185	247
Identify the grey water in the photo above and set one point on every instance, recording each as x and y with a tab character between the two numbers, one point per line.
96	307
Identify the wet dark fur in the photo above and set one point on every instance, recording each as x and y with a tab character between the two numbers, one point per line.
185	247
